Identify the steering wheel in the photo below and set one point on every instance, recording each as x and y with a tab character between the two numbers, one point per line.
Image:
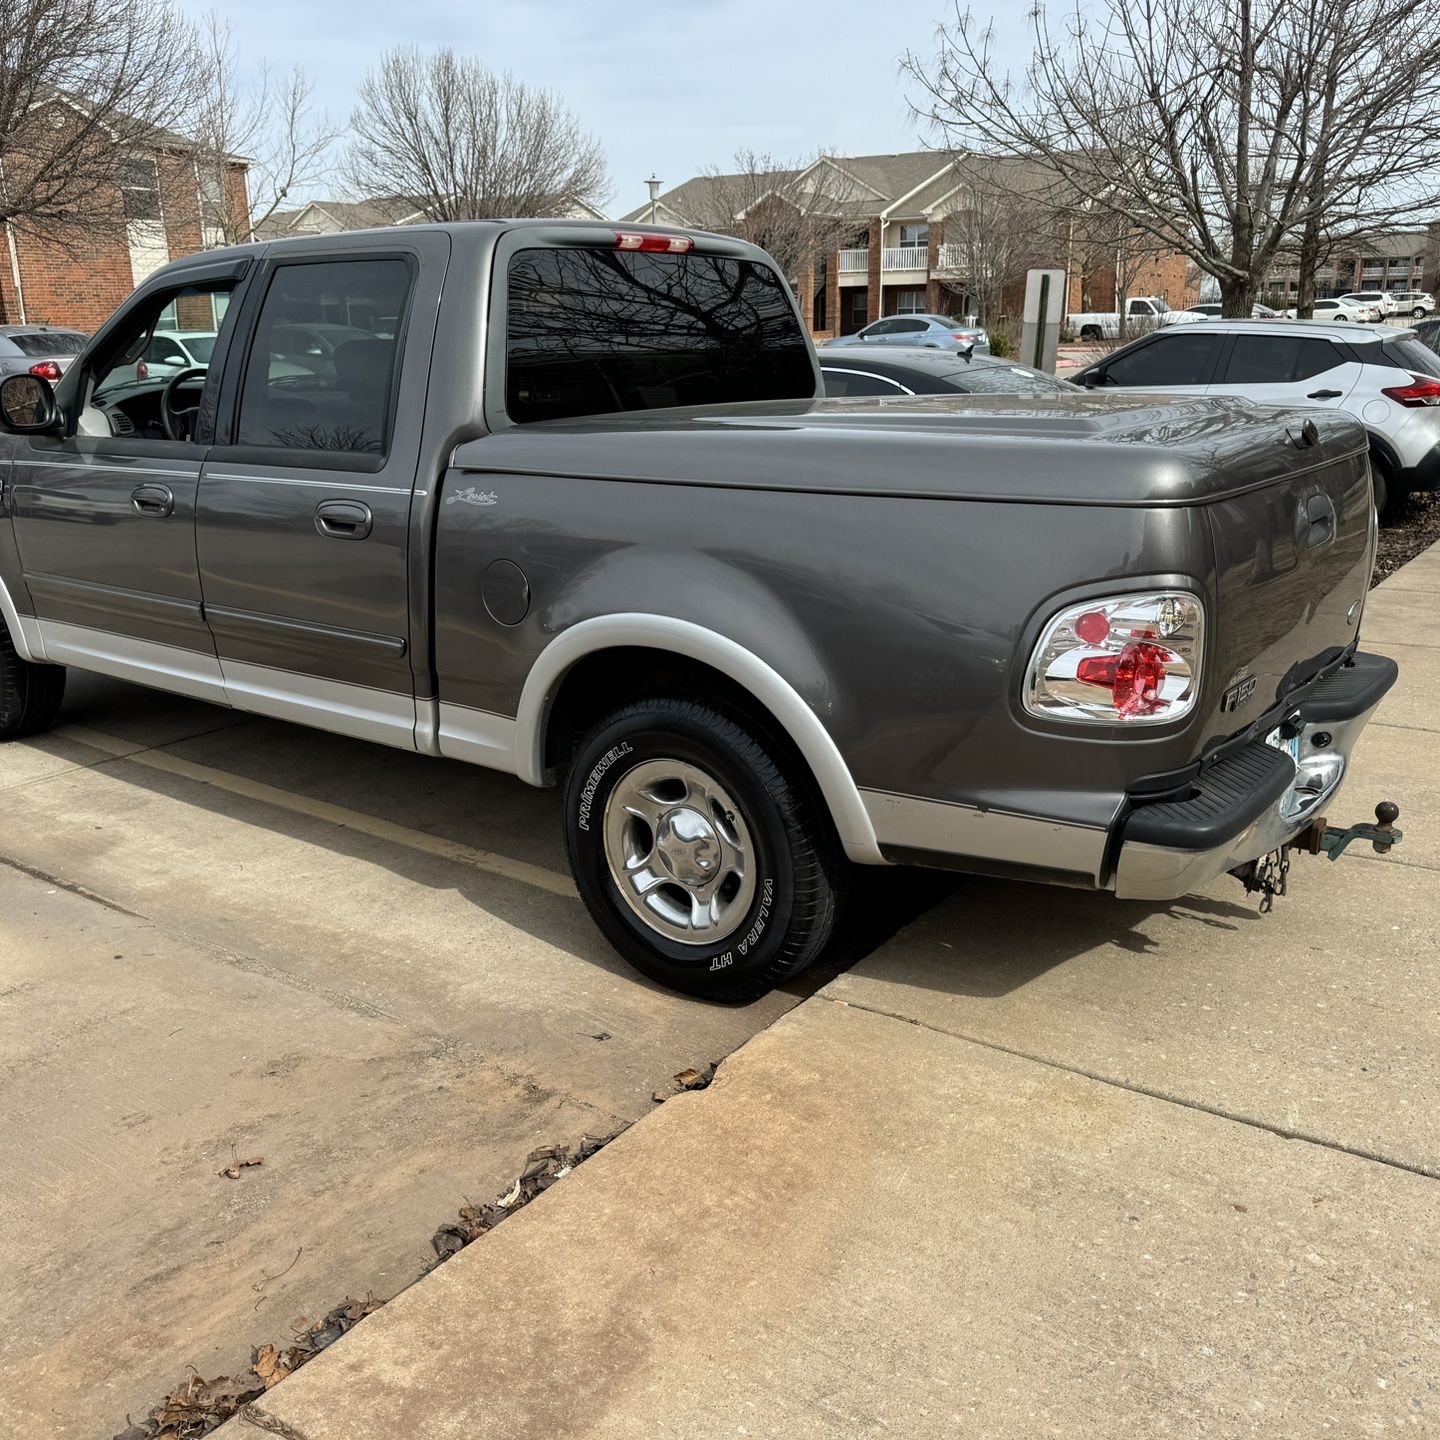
179	423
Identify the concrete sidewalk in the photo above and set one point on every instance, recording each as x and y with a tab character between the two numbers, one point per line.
1046	1164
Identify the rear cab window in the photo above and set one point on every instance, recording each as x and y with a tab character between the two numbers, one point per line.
595	331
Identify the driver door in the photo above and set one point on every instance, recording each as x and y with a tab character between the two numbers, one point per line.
105	523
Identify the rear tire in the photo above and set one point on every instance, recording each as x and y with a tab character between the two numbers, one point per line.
698	851
1419	312
1389	500
30	694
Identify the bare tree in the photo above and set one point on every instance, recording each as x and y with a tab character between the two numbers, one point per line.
997	228
461	142
798	211
1218	127
85	85
269	122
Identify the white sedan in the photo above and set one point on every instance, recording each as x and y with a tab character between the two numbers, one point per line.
1342	310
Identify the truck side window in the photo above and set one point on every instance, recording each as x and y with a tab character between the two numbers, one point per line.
595	331
322	367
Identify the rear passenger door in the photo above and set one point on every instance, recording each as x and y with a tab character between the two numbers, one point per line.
1178	361
1281	369
303	519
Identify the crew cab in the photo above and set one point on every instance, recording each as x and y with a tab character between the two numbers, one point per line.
564	502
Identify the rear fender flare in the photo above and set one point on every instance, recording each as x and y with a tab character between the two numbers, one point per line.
684	637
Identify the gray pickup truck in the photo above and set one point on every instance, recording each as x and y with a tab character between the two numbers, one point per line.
563	501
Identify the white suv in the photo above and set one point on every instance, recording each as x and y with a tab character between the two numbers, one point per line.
1374	300
1418	303
1385	377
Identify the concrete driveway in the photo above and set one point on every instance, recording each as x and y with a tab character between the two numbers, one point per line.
1045	1164
223	938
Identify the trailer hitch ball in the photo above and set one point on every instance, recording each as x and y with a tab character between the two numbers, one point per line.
1387	812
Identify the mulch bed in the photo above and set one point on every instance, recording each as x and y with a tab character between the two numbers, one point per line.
1417	531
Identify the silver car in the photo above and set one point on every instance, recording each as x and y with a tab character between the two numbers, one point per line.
934	332
39	349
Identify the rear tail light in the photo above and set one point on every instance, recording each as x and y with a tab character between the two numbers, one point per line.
142	370
1420	392
1126	659
654	244
46	370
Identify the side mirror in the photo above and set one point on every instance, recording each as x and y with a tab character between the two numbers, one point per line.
27	405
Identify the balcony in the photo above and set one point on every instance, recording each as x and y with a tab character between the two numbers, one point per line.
905	257
854	261
950	260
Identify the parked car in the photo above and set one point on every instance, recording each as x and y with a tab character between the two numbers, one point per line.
38	350
612	540
870	371
1142	313
1212	310
1380	301
1342	311
1417	303
936	332
1384	377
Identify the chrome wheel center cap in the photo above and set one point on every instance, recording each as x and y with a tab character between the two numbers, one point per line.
687	846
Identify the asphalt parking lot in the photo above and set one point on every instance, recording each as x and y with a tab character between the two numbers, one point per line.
223	938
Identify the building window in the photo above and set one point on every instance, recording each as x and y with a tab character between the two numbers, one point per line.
908	302
914	235
854	308
140	189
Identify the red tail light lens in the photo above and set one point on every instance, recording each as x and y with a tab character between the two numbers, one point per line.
654	244
1128	659
1135	677
46	370
142	370
1420	392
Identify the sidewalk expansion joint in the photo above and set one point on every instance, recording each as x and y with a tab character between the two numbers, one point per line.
1282	1132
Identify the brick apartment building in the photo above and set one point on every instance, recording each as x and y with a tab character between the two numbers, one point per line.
896	260
1404	260
171	206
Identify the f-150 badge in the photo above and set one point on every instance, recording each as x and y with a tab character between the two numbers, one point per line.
1238	694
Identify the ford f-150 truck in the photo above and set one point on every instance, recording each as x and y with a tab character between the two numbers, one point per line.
561	500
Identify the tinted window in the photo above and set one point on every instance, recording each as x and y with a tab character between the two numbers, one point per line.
165	352
1181	358
1410	354
345	404
201	347
881	327
1006	380
51	342
597	331
1278	359
850	382
910	327
1316	357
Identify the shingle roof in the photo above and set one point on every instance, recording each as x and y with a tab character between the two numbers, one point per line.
877	183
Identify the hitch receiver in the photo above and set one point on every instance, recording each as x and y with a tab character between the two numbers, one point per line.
1321	839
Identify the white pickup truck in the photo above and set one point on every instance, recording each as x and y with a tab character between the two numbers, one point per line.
1142	313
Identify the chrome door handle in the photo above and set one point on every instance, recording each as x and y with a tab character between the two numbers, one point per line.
157	500
343	519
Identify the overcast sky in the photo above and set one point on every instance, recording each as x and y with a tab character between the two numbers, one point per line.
667	86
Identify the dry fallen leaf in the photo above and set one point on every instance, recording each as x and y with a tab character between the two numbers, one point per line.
232	1172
